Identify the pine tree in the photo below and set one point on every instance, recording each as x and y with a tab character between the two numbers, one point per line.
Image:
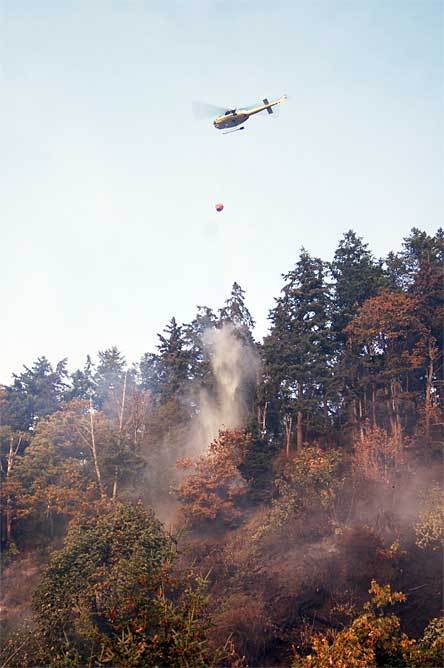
36	392
82	382
236	312
166	373
298	349
357	276
149	374
419	270
200	368
109	375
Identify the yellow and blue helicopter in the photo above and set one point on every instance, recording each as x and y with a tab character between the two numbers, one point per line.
231	118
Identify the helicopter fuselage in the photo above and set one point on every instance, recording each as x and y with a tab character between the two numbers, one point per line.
234	117
230	120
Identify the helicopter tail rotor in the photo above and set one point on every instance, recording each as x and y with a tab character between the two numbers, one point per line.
269	109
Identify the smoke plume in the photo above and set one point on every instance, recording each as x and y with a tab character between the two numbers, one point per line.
234	365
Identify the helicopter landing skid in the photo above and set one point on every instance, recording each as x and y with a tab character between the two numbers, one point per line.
235	130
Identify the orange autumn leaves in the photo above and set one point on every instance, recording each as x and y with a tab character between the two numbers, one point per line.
214	489
385	324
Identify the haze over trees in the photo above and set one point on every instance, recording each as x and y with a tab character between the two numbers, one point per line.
228	502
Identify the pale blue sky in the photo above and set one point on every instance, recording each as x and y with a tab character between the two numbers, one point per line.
108	184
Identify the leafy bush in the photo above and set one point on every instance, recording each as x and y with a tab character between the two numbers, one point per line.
109	596
374	639
377	456
430	526
309	482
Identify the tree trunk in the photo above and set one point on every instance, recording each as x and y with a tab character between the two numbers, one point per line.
12	453
8	513
428	395
373	406
361	419
394	405
299	431
114	497
94	451
288	421
353	419
122	405
8	521
325	415
264	418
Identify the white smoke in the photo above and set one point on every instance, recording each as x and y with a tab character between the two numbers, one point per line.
234	365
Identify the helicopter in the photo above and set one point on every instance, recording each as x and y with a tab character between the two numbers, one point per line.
231	118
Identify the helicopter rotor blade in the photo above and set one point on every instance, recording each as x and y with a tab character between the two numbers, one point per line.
203	110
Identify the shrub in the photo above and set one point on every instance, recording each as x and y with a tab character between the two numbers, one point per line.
308	483
374	639
109	596
377	455
430	525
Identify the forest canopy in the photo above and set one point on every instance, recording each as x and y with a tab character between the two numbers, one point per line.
229	502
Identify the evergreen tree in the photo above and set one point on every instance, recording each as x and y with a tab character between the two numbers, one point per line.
298	349
200	368
236	311
36	392
357	276
257	463
149	373
420	251
419	270
109	375
82	382
166	372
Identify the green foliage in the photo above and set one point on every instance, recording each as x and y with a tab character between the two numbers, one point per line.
357	277
298	348
35	393
110	596
166	373
430	526
236	312
429	650
257	464
308	483
419	251
200	367
109	376
82	382
170	633
102	555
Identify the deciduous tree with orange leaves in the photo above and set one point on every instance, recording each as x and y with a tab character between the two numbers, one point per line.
215	489
385	333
